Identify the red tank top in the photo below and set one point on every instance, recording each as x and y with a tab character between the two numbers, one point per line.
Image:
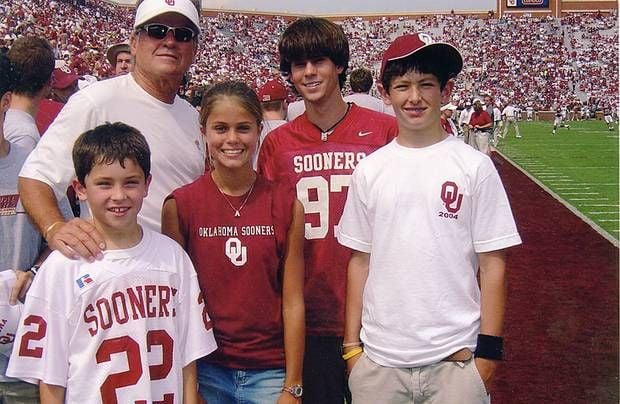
239	265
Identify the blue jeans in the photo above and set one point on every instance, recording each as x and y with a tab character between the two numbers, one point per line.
221	385
19	393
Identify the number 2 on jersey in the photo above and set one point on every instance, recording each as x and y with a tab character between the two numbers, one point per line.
109	347
320	204
132	375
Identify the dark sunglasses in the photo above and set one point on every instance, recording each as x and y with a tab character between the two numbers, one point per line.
159	31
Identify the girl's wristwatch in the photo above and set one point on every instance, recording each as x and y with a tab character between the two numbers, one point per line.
296	390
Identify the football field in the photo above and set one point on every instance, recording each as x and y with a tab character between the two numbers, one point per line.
579	165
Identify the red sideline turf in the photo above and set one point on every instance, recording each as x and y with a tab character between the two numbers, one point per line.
561	328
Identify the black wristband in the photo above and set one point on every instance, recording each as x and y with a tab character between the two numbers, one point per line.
489	347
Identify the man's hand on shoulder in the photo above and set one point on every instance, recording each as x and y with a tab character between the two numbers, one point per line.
76	238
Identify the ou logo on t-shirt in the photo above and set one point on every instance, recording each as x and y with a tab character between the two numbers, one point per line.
236	252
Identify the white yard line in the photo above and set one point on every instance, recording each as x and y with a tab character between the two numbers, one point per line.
604	213
570	207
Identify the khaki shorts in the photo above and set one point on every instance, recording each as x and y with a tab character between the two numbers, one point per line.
442	382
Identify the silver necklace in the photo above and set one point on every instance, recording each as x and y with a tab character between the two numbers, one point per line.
238	210
327	132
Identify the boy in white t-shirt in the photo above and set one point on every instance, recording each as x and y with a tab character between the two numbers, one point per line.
126	328
424	214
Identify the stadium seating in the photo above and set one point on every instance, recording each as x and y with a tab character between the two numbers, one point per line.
543	62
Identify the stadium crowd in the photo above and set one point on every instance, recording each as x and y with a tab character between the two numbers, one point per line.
543	63
233	143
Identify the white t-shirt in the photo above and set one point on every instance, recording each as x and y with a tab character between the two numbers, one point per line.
370	102
423	214
268	126
21	129
510	112
465	115
9	318
172	131
497	115
123	327
295	109
20	241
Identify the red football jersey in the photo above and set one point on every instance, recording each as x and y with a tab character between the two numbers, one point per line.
320	171
239	265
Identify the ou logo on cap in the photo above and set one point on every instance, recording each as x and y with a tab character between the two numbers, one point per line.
170	2
426	38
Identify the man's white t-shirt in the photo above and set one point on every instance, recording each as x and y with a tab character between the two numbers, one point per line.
268	126
423	214
295	109
370	102
172	131
121	328
510	112
21	129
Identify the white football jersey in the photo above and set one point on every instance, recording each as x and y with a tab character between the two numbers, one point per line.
9	315
119	330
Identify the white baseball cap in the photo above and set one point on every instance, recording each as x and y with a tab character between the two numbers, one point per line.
150	9
449	106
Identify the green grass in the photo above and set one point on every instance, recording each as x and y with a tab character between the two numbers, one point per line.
579	164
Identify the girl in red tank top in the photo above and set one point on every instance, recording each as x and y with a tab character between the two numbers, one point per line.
245	237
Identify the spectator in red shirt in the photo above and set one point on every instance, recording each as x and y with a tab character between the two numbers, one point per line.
480	124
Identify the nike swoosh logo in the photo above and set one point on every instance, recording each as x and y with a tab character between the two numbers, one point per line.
362	134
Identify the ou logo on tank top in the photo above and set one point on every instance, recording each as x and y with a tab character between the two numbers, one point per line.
236	252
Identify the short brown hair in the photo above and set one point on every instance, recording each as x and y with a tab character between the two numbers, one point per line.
33	61
312	38
107	144
360	80
246	96
7	75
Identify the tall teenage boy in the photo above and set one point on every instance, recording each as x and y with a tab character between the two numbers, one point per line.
126	328
423	216
316	154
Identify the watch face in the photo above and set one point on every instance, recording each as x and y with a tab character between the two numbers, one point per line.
298	391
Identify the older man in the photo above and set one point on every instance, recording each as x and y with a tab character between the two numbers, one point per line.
163	46
119	57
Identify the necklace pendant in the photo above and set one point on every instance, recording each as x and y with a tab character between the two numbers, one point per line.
324	136
237	214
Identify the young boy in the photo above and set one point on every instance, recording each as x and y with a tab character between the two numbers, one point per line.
127	328
422	215
316	154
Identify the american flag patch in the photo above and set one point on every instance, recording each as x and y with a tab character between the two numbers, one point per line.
83	280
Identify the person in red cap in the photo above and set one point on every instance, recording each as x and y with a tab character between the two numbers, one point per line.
64	84
423	214
315	154
273	97
33	60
